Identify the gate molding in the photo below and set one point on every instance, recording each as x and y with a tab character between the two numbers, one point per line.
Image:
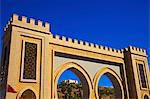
112	73
70	65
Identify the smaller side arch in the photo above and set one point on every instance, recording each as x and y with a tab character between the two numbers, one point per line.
25	89
111	73
145	96
73	67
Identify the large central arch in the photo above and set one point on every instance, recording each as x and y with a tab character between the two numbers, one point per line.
116	81
80	72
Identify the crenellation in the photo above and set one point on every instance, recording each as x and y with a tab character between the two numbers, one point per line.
131	47
75	41
11	18
139	49
70	40
15	17
97	46
9	22
63	38
32	21
7	26
86	43
40	23
105	48
94	45
91	45
126	49
5	29
119	51
122	50
110	49
144	51
47	25
136	50
81	42
101	47
114	50
24	19
57	37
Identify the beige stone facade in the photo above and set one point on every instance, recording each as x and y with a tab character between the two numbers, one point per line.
33	60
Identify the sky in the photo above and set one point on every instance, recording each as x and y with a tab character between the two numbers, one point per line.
103	80
113	23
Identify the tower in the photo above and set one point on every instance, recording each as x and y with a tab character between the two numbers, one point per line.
25	47
137	71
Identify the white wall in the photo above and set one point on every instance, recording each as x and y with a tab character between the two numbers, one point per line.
90	67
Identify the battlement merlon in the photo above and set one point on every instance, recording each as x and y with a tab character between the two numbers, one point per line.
45	27
42	27
84	45
95	47
136	50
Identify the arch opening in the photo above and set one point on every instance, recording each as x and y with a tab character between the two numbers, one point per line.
79	87
115	80
28	94
146	97
105	88
84	78
109	87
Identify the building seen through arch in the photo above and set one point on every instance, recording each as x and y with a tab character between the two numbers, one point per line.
69	86
33	60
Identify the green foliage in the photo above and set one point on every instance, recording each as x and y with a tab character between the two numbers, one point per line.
73	91
69	90
105	91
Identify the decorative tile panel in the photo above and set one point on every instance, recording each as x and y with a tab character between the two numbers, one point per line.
30	58
142	75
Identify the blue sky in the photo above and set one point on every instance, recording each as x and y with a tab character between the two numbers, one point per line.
103	80
113	23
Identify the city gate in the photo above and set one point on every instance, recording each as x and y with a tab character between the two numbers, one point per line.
33	60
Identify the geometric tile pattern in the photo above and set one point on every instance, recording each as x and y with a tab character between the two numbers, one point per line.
142	75
30	59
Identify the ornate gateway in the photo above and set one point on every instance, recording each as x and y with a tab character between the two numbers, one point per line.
33	60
